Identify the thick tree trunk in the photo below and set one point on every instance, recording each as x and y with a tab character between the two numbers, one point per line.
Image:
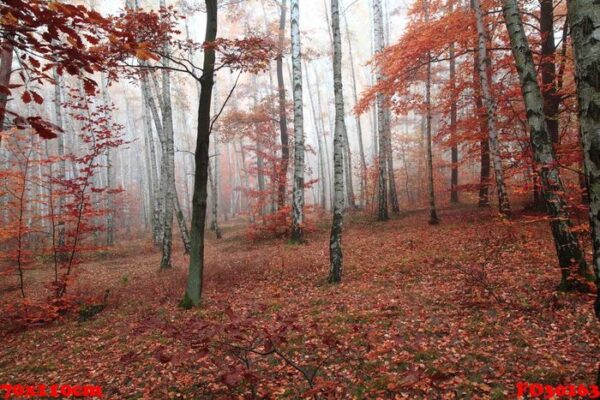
193	291
490	105
382	184
433	217
298	189
567	246
584	18
484	143
335	241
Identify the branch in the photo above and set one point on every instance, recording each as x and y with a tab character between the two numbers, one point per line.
216	117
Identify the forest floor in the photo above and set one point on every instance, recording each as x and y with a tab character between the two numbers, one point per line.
462	310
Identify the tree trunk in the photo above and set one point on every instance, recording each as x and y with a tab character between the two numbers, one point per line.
453	119
61	154
109	176
393	193
382	195
285	149
433	217
490	105
585	32
185	233
484	143
567	246
214	176
168	161
318	133
298	190
361	148
6	59
193	291
335	241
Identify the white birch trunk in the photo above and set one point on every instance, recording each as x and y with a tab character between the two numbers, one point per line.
298	188
490	105
335	242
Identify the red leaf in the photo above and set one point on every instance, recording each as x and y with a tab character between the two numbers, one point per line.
37	98
26	97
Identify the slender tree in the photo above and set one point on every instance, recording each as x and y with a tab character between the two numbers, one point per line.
433	217
335	241
567	246
298	190
193	291
490	105
285	147
382	195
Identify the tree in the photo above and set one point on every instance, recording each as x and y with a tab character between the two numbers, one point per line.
433	217
567	246
335	241
285	149
298	187
484	75
584	21
196	265
382	196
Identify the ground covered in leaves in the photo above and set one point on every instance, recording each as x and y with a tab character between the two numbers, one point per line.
462	310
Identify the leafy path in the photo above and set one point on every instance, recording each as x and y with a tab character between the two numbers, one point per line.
461	310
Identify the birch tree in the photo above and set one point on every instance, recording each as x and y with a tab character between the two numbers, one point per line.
584	19
382	195
567	246
484	74
298	188
168	160
335	241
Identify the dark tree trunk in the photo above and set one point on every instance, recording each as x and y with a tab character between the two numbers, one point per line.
584	21
285	149
567	246
193	291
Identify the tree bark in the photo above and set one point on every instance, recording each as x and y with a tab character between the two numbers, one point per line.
335	241
567	246
168	161
285	149
433	217
453	119
584	20
298	189
382	195
490	105
193	291
6	59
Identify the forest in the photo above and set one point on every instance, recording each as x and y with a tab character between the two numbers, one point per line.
285	199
